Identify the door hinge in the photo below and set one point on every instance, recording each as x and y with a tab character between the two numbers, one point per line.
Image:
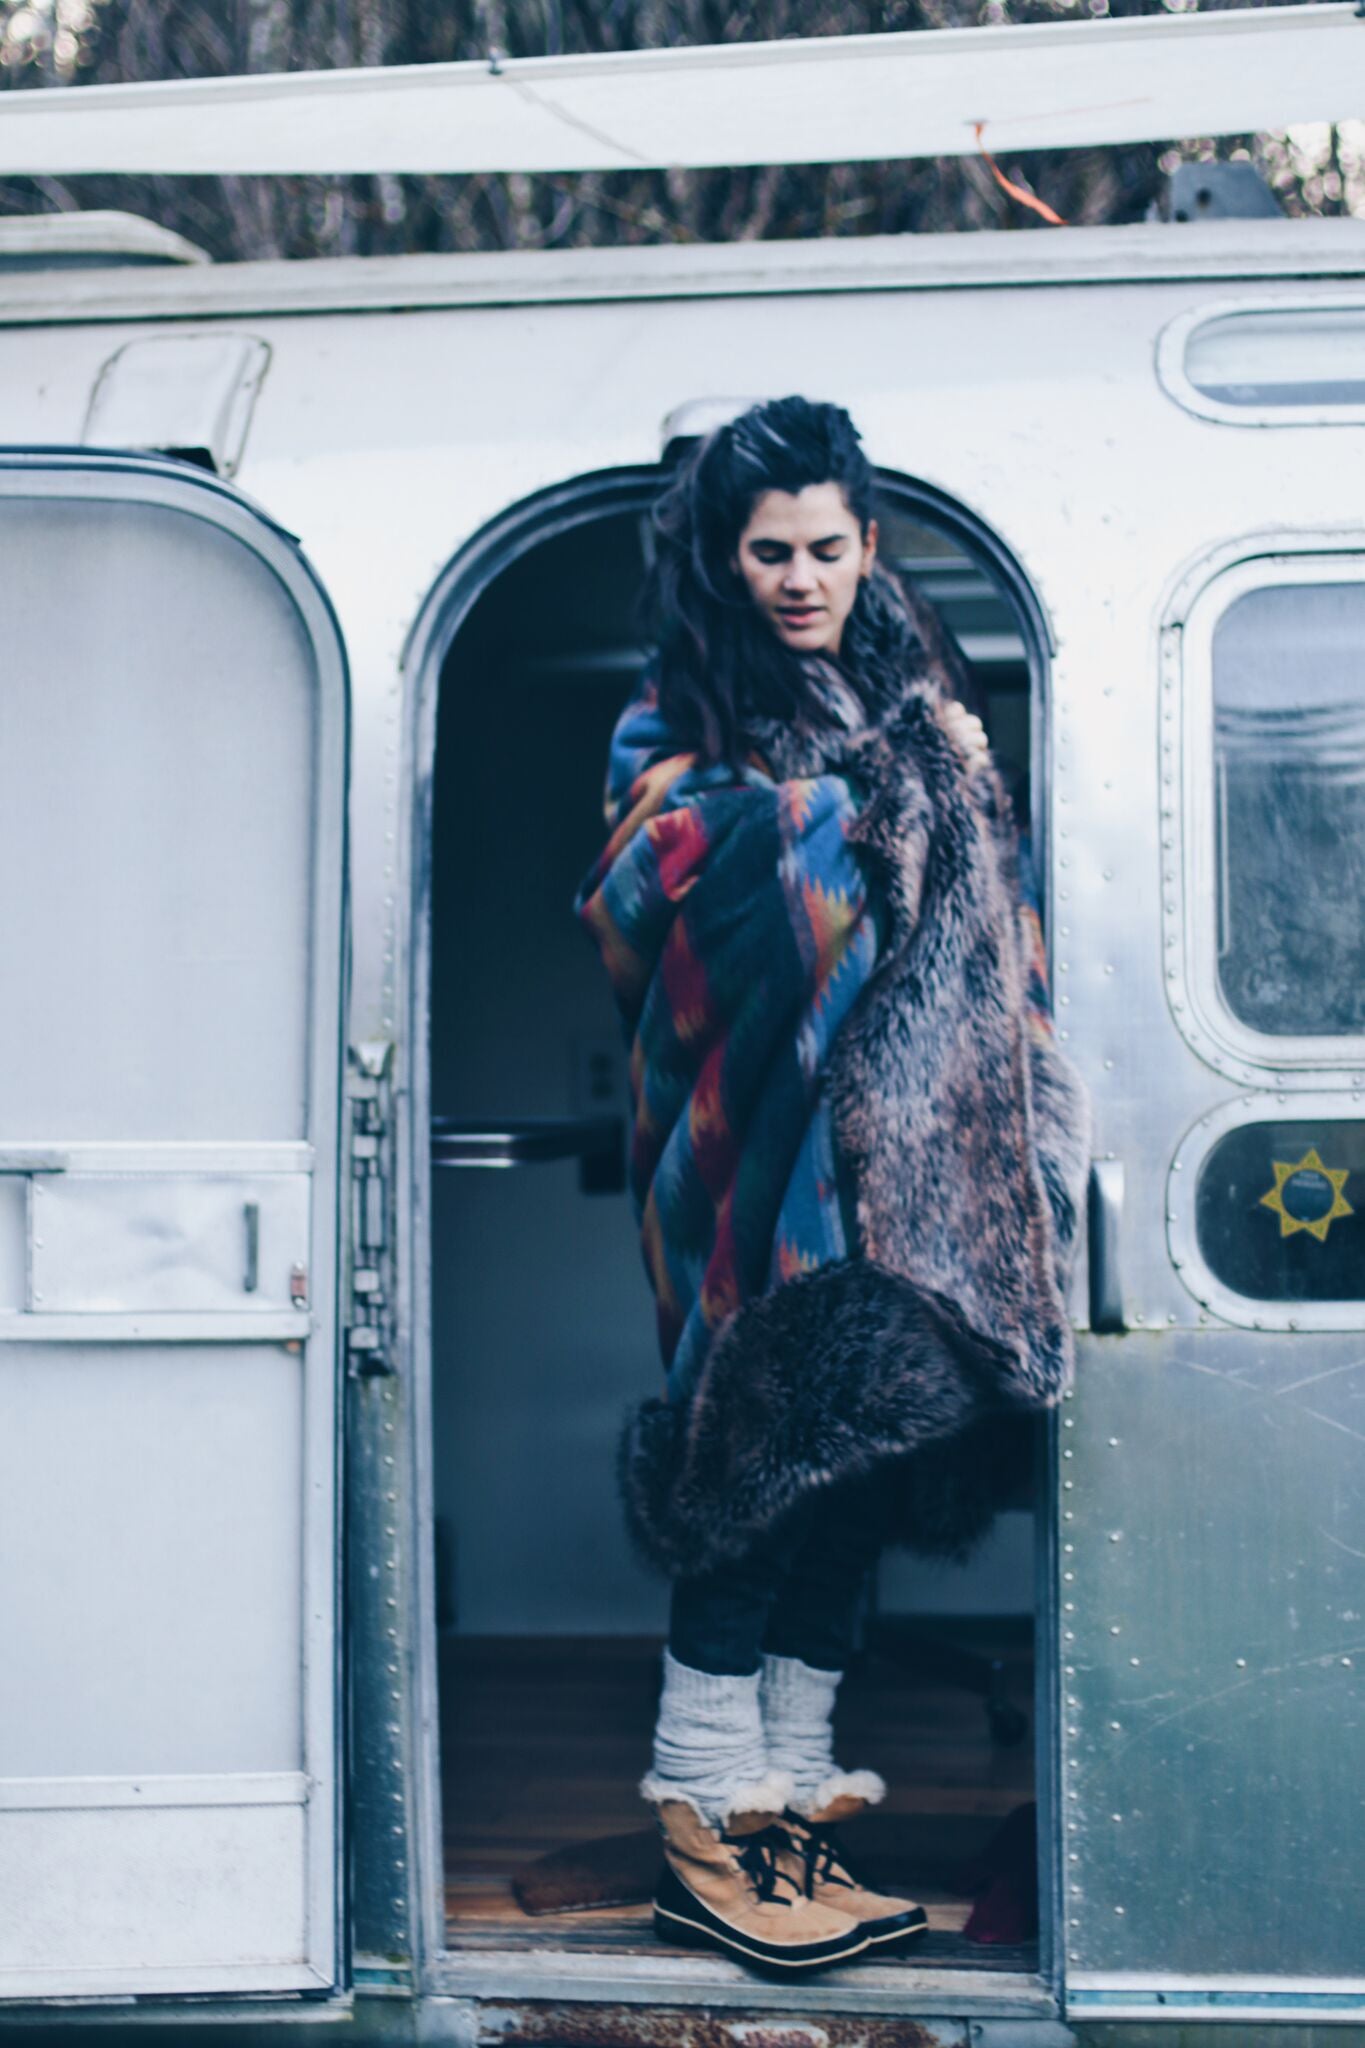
368	1344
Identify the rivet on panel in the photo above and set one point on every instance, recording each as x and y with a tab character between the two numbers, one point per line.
1240	1662
1117	1727
1115	1628
1135	1661
1116	1535
1120	1910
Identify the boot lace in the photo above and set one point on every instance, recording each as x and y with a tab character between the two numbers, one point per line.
824	1857
758	1857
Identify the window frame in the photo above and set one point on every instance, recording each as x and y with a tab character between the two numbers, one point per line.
1245	1311
1189	812
1173	343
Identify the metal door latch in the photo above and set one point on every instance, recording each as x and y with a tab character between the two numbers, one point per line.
298	1286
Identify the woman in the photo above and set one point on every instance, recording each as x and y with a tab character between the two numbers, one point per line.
857	1155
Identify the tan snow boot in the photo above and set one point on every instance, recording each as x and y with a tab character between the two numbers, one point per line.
828	1882
740	1888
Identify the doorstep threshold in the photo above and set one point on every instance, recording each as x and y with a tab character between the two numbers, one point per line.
537	1975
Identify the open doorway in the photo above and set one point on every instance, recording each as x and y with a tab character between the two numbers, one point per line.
543	1326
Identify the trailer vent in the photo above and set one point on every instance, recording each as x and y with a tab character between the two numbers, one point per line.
189	395
91	241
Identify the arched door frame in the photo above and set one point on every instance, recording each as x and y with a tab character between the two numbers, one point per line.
544	516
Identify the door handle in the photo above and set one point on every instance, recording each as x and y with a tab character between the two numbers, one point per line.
251	1217
1105	1223
598	1143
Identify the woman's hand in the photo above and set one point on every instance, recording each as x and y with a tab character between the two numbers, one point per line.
966	732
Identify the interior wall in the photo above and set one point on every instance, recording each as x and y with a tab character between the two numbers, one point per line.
543	1329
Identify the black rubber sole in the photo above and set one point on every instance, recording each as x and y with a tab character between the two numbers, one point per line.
681	1932
907	1928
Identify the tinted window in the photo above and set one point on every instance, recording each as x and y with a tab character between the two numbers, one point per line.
1289	756
1280	1211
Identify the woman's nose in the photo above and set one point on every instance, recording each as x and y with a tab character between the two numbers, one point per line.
800	575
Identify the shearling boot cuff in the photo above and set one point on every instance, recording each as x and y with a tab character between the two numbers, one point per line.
768	1794
846	1792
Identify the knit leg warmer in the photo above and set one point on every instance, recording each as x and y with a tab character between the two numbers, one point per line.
797	1705
708	1747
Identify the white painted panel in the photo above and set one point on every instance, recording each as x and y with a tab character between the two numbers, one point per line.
150	1559
156	795
87	1896
172	785
161	1242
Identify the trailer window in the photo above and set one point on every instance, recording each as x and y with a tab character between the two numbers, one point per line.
1268	365
1280	1211
1289	816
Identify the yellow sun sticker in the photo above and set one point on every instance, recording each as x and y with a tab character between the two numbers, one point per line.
1307	1195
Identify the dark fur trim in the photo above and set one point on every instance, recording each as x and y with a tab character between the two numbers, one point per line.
968	1140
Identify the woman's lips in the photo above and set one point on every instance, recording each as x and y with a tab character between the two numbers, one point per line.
798	615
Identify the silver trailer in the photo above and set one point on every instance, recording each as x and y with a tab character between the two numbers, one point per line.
318	607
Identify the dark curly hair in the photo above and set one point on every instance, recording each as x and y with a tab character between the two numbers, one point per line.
721	667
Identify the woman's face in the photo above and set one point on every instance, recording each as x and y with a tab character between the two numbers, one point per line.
802	556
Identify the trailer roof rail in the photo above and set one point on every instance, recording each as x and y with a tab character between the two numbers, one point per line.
815	99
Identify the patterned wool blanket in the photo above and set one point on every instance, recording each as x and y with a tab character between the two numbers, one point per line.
733	917
856	1214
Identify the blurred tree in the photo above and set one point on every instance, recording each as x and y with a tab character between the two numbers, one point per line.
62	44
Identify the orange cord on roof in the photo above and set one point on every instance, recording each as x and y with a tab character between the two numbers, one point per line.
1016	191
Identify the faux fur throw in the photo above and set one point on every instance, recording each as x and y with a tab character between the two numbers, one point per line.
859	1155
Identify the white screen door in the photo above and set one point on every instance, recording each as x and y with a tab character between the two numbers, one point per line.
172	804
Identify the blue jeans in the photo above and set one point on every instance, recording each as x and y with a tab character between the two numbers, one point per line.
794	1594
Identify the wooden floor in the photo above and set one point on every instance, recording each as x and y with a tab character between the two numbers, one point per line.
543	1741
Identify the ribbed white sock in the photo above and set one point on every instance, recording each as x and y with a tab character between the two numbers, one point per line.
709	1749
797	1705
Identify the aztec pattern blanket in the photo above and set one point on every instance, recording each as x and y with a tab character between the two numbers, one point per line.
734	922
